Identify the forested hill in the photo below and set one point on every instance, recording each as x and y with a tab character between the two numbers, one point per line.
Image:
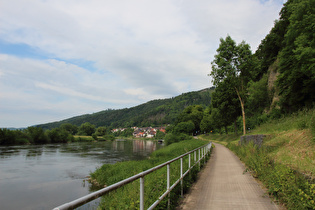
152	113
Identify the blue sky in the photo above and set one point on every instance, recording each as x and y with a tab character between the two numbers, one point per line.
60	59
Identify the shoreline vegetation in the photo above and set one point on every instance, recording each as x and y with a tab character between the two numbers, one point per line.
127	197
67	133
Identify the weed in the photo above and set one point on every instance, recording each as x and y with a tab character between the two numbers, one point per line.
288	186
127	197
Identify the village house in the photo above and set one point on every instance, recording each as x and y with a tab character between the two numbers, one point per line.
147	132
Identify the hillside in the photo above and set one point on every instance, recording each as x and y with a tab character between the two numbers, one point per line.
285	162
152	113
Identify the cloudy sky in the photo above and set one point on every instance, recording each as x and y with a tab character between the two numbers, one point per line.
63	58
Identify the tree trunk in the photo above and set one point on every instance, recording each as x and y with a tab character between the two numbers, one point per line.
226	130
243	111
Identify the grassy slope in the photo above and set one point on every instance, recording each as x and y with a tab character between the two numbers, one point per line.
292	137
127	197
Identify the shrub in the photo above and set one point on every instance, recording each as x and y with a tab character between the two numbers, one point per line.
127	197
172	138
312	125
285	184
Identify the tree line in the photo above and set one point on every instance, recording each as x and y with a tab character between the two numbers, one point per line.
251	88
245	93
63	134
154	113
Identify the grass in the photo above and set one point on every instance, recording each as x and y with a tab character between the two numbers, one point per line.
221	139
83	138
285	163
291	137
127	197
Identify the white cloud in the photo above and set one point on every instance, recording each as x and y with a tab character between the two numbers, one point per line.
136	50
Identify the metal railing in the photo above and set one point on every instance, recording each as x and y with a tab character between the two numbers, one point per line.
202	152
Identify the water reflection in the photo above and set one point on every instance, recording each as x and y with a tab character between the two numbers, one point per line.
34	153
7	152
45	176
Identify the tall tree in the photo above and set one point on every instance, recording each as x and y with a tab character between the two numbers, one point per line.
226	102
86	129
296	81
232	66
192	113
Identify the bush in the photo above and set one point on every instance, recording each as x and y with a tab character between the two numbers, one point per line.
109	137
312	125
59	135
172	138
285	184
94	136
127	197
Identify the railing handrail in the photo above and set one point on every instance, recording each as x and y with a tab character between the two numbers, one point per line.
94	195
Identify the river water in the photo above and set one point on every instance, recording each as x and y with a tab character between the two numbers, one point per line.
45	176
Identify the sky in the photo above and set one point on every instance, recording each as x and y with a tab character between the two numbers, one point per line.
60	59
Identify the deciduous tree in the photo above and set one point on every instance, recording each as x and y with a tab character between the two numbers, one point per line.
232	66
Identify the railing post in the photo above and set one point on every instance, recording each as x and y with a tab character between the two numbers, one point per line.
92	196
168	186
141	193
181	176
204	154
199	158
189	162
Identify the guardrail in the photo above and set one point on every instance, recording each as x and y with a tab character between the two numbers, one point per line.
202	152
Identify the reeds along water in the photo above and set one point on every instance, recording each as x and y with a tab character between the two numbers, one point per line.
155	183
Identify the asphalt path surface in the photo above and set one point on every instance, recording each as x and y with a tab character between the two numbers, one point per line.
224	184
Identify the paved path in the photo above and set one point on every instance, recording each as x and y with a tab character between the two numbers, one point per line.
224	185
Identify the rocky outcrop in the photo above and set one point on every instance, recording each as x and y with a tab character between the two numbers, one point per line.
256	139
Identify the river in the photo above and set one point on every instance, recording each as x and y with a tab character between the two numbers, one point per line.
45	176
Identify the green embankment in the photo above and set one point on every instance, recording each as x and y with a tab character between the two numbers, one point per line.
285	163
127	197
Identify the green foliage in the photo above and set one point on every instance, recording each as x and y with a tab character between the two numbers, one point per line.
37	135
11	137
128	132
291	43
232	64
86	129
258	97
127	197
184	127
312	125
295	121
232	69
153	113
72	129
94	136
190	114
285	184
109	137
159	135
297	59
34	135
59	135
227	106
206	124
101	131
270	47
171	138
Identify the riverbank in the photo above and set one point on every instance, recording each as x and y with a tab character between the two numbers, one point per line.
128	197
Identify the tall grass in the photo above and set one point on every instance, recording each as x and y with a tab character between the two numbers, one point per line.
127	197
300	120
286	185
